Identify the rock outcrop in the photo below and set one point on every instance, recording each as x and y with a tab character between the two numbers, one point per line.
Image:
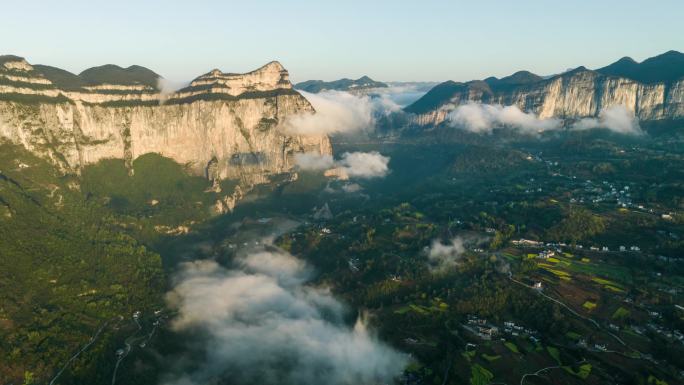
575	94
222	125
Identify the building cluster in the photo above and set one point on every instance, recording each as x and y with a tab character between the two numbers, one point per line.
481	328
552	248
605	192
487	331
667	333
353	264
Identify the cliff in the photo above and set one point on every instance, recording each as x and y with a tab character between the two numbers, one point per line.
652	90
222	125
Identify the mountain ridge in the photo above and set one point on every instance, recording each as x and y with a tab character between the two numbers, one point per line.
577	93
666	67
345	84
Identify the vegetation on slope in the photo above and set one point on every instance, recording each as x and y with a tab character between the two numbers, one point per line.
65	272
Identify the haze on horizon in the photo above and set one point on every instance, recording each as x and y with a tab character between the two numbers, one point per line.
387	40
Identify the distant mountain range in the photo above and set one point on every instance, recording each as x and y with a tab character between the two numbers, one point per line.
652	89
361	84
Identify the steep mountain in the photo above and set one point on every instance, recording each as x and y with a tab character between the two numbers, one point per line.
653	90
359	85
222	125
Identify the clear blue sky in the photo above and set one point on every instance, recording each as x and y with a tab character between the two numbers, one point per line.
325	39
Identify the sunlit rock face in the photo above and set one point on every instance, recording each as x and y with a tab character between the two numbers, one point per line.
575	94
231	119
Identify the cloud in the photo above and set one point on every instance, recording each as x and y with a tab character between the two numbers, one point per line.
351	187
336	112
616	118
482	118
312	161
445	256
364	165
384	104
403	94
263	324
340	112
167	87
345	188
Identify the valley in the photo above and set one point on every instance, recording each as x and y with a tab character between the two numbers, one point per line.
200	240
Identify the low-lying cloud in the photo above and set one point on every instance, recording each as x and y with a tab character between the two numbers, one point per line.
264	325
340	112
312	161
363	165
167	87
483	118
336	112
616	118
351	187
403	94
443	256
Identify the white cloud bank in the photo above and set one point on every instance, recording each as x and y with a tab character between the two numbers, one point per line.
336	112
265	326
616	118
364	165
483	118
339	112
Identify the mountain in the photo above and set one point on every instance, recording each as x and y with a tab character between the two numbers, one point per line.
518	79
653	90
113	74
359	85
436	97
414	86
61	78
665	68
223	122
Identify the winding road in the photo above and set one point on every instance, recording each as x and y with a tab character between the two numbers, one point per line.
86	346
128	342
592	321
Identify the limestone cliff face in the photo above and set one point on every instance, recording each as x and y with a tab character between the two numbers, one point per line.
575	94
226	121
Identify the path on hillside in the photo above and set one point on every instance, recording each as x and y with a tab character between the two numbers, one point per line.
546	369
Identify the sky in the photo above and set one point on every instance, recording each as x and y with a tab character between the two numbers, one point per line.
397	40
